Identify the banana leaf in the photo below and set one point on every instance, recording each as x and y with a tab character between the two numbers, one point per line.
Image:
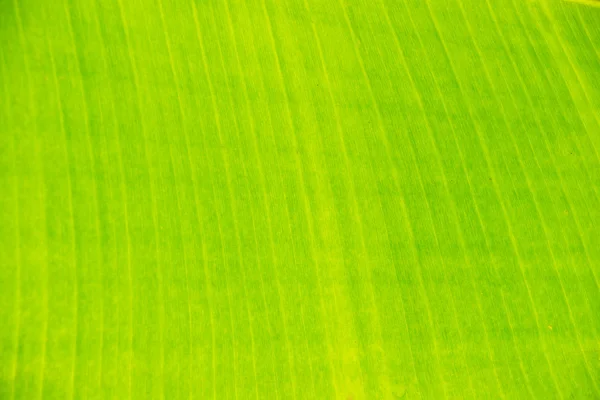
299	199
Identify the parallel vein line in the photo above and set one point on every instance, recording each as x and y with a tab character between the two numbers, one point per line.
347	163
257	153
520	161
403	203
468	179
193	179
268	213
19	267
89	148
123	191
152	193
200	39
235	217
446	188
564	191
538	211
588	131
72	218
496	190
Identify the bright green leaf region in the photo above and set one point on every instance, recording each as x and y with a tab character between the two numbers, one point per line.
299	199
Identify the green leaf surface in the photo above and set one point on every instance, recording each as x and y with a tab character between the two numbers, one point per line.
299	199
